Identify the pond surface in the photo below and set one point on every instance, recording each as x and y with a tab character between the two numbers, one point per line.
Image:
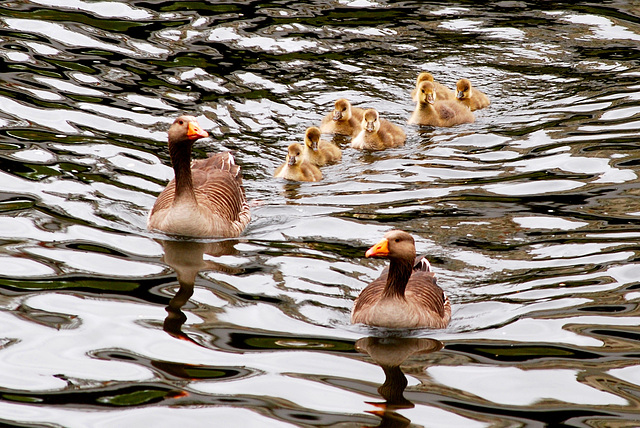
530	215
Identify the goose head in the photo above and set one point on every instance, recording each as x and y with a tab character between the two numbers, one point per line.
371	120
185	129
312	138
463	89
293	155
396	244
342	110
427	92
424	77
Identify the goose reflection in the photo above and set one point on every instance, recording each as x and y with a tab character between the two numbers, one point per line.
187	259
389	353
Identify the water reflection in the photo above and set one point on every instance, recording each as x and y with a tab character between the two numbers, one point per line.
390	353
187	258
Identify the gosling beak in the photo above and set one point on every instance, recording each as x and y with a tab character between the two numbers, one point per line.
370	126
194	131
381	249
460	95
337	115
314	146
431	99
292	160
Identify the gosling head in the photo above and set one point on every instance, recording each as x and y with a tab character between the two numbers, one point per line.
293	155
342	110
463	89
312	138
424	76
371	120
427	92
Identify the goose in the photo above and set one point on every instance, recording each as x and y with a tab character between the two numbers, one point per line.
442	92
406	295
470	96
344	120
377	133
295	168
319	152
431	112
206	197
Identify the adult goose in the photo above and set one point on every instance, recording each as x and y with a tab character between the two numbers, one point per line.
344	120
470	96
406	295
206	198
317	151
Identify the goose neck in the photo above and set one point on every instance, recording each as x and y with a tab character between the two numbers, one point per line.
399	273
181	160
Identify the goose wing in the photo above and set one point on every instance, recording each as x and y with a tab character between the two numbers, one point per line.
218	161
217	183
423	289
371	293
165	198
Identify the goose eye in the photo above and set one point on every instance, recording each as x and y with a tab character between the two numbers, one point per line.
397	239
181	122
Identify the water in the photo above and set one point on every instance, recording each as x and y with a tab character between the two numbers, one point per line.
530	216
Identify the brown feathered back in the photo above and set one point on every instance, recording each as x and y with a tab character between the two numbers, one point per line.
218	177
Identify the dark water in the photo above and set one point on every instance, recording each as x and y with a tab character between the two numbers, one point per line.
530	216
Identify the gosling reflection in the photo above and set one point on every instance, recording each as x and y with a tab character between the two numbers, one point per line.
187	259
389	353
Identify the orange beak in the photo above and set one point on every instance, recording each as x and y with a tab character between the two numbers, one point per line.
194	131
381	249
